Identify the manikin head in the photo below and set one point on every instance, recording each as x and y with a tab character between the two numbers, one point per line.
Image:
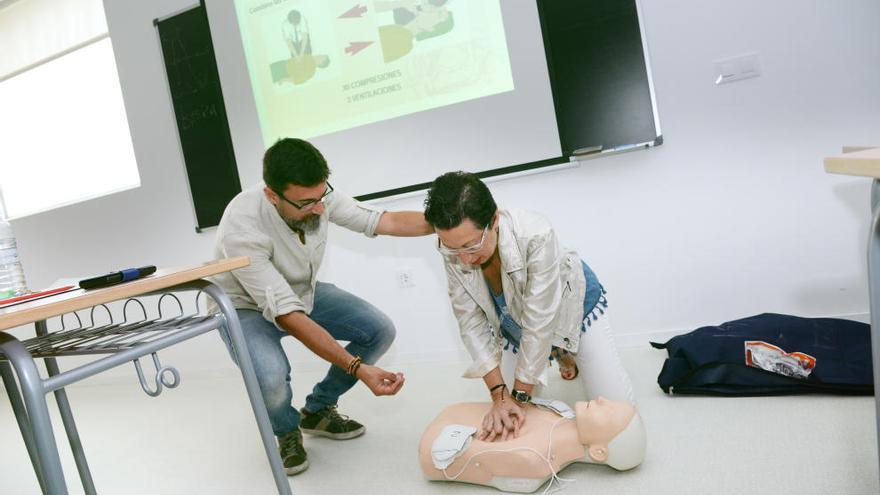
612	432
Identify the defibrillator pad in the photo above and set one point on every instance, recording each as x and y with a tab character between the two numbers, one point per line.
557	406
450	443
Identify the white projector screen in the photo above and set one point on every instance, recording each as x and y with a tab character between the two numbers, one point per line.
397	92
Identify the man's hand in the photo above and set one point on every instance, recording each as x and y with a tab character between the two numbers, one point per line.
323	344
379	381
504	419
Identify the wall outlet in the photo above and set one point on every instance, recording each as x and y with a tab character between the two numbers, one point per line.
405	278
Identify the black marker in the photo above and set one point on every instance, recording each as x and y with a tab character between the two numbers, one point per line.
116	277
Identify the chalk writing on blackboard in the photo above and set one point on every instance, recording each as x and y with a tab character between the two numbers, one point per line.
197	99
196	115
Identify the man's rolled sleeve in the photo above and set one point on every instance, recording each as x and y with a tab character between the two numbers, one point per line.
353	215
268	289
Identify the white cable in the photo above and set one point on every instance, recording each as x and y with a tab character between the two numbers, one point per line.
554	476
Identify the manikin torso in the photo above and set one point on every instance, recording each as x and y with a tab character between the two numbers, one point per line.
546	444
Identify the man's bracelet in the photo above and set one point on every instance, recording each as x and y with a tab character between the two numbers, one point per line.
354	365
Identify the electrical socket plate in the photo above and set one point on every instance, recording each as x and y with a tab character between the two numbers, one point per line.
737	68
405	278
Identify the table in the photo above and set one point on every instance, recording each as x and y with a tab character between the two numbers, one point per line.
865	162
120	342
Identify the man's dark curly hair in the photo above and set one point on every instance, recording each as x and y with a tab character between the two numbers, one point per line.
293	161
456	196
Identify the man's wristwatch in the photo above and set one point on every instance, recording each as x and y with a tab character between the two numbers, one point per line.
520	396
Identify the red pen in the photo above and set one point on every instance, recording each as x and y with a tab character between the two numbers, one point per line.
35	295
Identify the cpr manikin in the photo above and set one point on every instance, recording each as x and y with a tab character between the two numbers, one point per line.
598	432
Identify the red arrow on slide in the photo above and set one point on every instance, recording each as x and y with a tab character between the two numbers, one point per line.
356	11
356	46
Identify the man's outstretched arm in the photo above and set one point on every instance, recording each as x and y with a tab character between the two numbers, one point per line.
403	224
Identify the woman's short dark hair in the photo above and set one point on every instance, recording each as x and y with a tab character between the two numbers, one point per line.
456	196
293	161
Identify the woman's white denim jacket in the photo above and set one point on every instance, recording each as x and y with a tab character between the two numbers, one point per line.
544	288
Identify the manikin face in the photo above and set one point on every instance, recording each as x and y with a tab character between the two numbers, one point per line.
473	245
599	421
307	218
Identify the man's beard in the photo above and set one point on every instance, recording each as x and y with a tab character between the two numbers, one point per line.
306	225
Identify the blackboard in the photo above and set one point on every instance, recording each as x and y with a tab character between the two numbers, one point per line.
598	72
197	98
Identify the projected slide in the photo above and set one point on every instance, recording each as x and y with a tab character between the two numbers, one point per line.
321	66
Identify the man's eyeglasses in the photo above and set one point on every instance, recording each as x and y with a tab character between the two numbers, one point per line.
308	204
463	250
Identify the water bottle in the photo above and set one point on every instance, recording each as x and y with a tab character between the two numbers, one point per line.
12	281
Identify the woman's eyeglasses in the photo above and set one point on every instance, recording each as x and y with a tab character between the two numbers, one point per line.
463	250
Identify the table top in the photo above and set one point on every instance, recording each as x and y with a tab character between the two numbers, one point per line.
41	309
864	163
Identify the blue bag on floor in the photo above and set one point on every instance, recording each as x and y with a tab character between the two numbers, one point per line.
770	354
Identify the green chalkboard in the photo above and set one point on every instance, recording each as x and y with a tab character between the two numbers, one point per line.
202	126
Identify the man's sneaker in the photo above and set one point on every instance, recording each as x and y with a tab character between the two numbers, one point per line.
329	423
293	454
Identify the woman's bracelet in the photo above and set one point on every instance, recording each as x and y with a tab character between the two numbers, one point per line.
496	387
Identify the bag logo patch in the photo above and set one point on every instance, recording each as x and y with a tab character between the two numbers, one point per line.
771	358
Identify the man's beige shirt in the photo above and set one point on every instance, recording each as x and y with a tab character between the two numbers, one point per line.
282	275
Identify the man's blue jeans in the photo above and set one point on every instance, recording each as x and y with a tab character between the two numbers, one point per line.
346	317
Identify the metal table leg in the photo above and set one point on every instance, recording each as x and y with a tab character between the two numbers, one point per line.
67	418
21	417
874	295
38	413
236	338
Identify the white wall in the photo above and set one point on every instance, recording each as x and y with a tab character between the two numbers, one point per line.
733	216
